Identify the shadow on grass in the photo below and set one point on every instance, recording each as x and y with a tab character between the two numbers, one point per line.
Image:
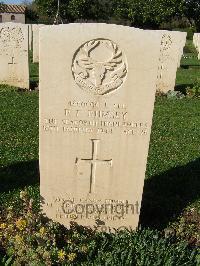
164	198
166	195
182	87
33	84
190	66
19	175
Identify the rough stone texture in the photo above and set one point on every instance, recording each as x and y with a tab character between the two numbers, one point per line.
196	38
35	29
171	50
14	59
97	90
30	36
196	41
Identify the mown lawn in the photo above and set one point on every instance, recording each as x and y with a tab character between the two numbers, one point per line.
172	185
189	72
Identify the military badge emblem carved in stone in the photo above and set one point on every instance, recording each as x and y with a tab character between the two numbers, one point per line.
99	66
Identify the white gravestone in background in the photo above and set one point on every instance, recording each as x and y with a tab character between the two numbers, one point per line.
171	49
97	91
30	36
35	29
196	41
14	59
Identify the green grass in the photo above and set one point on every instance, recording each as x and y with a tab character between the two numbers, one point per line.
18	140
189	71
34	72
189	48
173	165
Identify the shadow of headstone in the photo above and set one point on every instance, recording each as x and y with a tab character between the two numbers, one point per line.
166	195
19	175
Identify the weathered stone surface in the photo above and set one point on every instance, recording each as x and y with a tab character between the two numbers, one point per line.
35	29
97	90
30	36
196	41
14	60
170	55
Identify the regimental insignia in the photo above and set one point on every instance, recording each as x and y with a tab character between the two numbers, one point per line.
99	67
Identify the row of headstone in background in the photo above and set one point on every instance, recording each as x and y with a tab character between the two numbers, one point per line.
97	91
30	36
16	40
14	55
36	28
172	44
196	41
171	51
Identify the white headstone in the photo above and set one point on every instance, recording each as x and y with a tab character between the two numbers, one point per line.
97	91
171	50
14	59
196	41
35	29
30	36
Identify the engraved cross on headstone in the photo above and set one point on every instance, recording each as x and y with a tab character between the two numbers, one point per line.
12	63
11	66
93	162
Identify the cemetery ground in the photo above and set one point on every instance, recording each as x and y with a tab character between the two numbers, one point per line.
169	231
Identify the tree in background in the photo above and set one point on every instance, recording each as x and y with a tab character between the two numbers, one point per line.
91	9
162	11
192	12
139	13
149	13
131	11
49	8
31	11
71	10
